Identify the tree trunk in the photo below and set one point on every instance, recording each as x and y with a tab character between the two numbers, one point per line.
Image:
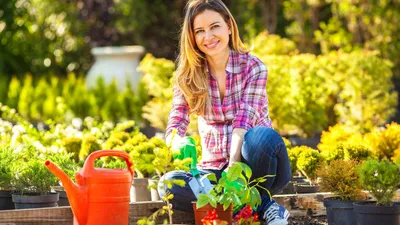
269	10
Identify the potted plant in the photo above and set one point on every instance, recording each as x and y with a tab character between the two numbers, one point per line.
67	164
141	151
6	157
163	163
307	163
381	179
232	191
341	178
33	181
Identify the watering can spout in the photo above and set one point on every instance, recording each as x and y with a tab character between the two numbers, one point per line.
76	193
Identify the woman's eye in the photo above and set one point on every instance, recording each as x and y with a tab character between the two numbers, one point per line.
198	31
215	26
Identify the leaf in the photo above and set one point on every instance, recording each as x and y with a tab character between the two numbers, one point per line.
222	181
246	196
236	200
234	172
203	200
213	202
211	177
226	205
261	180
246	169
255	197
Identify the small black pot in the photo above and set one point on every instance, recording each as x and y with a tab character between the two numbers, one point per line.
300	180
368	213
305	188
29	200
6	200
289	188
339	212
63	200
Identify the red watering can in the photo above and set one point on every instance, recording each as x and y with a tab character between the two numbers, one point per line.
100	196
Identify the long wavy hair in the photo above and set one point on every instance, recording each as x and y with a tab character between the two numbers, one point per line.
191	76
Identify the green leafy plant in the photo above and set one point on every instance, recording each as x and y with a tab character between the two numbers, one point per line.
163	162
64	161
89	145
234	187
293	154
381	179
7	156
72	145
385	143
341	178
308	161
31	176
359	152
142	157
335	135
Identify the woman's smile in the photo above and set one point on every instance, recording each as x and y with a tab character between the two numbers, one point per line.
212	45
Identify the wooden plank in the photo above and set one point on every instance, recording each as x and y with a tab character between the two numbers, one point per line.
63	215
297	204
48	216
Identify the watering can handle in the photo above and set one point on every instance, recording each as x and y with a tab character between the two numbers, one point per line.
89	164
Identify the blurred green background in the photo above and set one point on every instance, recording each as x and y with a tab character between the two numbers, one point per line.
330	61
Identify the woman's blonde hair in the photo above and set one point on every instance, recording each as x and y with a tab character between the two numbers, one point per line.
191	75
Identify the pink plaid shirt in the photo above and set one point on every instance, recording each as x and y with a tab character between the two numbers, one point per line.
245	105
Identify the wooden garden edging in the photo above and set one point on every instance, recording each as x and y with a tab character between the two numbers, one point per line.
297	204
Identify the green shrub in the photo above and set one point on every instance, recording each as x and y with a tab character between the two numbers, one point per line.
308	161
65	162
7	156
320	91
142	156
366	97
14	91
381	179
265	44
385	143
287	143
72	145
31	175
156	112
334	142
341	178
358	152
293	157
157	76
26	97
61	100
89	145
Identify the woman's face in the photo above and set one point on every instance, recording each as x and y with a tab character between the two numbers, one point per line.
211	33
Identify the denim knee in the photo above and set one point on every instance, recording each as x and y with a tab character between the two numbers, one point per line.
168	176
262	139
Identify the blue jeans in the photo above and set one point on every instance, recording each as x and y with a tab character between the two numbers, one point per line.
263	151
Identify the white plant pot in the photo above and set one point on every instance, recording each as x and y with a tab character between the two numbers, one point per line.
117	63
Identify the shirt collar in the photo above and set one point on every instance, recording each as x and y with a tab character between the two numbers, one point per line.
233	63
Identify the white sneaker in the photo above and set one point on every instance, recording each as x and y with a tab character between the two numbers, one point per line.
276	215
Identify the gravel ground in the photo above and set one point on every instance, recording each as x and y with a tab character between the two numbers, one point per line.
308	221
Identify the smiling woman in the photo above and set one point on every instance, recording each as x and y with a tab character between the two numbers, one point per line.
223	84
211	33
